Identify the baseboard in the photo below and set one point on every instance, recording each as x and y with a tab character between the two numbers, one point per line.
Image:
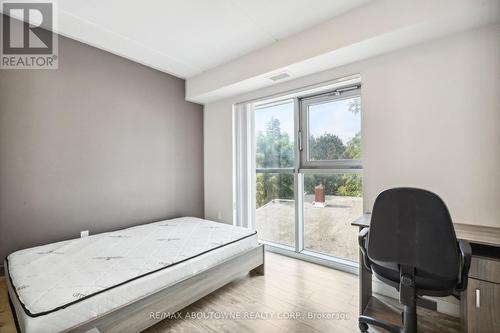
349	268
1	270
447	305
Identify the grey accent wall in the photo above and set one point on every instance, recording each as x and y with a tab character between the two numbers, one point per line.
100	144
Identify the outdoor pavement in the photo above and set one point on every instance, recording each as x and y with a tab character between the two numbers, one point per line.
327	230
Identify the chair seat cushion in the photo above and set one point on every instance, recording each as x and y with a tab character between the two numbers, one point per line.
423	284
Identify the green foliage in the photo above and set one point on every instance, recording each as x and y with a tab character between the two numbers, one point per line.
352	185
271	186
353	148
332	182
326	147
275	150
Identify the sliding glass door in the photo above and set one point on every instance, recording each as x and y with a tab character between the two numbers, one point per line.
308	173
274	179
331	162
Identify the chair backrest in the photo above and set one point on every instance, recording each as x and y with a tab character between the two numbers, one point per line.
413	227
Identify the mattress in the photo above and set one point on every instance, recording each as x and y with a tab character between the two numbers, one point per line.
58	286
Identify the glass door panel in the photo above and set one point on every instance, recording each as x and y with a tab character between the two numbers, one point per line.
275	216
331	203
274	179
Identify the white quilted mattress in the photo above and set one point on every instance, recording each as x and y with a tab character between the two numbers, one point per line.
58	286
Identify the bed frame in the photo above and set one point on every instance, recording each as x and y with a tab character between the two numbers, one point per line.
136	317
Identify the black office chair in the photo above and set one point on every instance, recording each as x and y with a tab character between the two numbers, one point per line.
411	245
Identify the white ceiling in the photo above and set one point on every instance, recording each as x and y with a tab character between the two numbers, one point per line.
373	29
188	37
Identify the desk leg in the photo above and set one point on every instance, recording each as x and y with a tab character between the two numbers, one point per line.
365	284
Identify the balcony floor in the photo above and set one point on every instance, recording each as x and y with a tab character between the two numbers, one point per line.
327	230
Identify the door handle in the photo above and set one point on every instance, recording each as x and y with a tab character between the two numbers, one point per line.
478	298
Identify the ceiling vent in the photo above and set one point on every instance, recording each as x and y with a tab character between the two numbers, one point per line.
279	77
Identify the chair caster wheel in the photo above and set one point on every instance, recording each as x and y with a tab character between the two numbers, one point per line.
363	327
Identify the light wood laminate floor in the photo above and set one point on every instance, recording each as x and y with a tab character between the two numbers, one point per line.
289	293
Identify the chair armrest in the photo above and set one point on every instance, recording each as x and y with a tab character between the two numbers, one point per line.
465	259
362	241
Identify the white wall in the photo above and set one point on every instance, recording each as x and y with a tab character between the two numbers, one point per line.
431	119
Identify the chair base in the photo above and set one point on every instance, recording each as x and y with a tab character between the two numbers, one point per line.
364	321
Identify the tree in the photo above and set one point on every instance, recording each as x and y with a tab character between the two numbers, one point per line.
326	147
355	105
332	182
353	148
352	185
273	150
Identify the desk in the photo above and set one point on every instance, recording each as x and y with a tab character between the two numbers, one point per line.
485	266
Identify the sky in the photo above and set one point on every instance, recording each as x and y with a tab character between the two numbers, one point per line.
331	117
283	112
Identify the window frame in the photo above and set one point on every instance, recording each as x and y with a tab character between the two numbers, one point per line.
303	129
245	171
